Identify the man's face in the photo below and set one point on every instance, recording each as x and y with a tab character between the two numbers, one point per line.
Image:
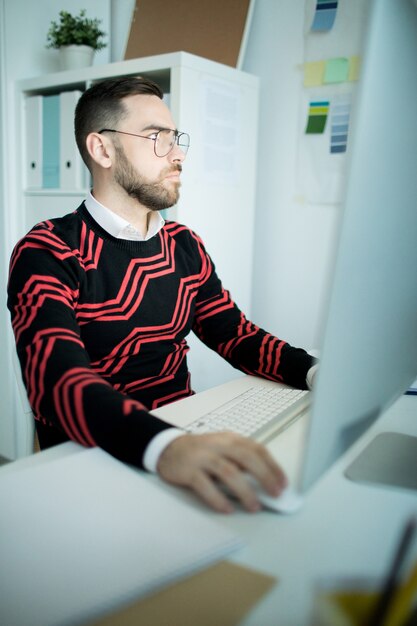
153	181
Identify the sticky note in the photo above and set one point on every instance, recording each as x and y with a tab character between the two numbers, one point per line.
317	117
354	67
314	73
336	70
324	16
339	126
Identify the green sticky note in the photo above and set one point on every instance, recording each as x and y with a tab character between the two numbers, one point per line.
337	70
316	124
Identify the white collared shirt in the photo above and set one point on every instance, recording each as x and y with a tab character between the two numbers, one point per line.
117	226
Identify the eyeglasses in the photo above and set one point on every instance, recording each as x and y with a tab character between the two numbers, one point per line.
163	141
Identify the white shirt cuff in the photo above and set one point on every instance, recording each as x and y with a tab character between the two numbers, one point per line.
310	375
157	445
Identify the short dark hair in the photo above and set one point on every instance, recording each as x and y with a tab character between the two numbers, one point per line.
101	106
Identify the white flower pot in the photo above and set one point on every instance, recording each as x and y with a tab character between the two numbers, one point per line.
74	57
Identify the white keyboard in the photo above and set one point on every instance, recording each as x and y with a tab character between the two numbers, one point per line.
253	412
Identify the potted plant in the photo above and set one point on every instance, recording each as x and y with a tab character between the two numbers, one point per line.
76	37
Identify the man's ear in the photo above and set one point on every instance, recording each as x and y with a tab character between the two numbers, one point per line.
100	149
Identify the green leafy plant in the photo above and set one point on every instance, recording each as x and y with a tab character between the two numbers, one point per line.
78	30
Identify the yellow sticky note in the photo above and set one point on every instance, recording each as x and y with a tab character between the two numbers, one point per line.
313	73
354	67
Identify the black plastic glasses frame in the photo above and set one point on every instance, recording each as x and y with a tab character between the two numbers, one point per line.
177	135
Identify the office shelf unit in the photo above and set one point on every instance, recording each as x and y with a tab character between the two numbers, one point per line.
218	106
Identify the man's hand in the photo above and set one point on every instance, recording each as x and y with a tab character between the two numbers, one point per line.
202	462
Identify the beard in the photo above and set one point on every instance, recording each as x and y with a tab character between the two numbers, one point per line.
153	195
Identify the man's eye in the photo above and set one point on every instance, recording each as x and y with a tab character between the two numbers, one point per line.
153	136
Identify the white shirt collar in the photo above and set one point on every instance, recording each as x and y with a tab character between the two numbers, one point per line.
117	226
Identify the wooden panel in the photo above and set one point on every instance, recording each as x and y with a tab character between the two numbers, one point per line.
213	29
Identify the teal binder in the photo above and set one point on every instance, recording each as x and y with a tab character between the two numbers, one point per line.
50	142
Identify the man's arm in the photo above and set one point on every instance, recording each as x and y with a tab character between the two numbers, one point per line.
222	326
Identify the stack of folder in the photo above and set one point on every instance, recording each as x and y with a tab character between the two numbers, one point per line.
52	157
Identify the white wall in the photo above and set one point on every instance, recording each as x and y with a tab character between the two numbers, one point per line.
27	24
293	241
6	379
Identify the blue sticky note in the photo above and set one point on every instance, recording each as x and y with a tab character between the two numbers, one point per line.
324	16
338	149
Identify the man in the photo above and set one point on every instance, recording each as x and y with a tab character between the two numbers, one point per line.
102	299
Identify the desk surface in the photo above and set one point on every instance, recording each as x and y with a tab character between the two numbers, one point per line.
344	529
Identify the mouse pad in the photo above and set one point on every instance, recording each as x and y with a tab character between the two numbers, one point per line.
222	594
389	459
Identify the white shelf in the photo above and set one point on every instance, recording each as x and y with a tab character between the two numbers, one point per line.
159	65
56	192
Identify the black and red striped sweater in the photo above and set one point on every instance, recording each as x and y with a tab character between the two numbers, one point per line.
101	324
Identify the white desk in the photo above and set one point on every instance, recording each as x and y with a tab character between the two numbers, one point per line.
344	529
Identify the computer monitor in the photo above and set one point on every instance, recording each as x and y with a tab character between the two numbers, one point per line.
369	347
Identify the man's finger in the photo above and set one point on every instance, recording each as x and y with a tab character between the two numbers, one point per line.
232	477
211	494
255	459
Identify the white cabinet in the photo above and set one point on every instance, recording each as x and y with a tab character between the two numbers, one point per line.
218	106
